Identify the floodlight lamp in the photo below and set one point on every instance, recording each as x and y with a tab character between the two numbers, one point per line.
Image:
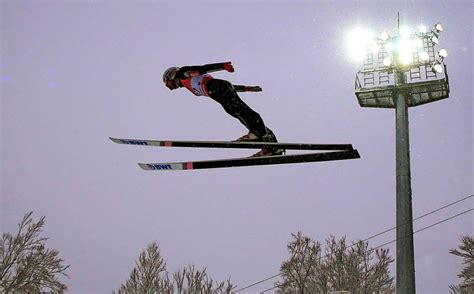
387	61
404	47
384	36
435	40
438	27
422	29
424	56
443	53
389	47
374	47
417	42
358	53
358	40
406	59
437	68
405	32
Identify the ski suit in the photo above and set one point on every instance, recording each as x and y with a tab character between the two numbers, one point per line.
197	80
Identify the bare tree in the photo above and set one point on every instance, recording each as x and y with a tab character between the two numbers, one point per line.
466	251
190	280
301	271
356	268
26	265
150	276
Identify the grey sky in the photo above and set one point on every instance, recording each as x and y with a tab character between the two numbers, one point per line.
76	72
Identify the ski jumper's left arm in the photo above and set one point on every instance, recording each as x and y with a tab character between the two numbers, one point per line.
196	70
241	88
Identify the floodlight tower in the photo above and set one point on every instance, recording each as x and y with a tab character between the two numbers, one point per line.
402	71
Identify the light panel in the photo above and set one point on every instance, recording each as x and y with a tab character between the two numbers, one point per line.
408	49
443	53
424	56
438	68
405	32
406	58
422	29
357	41
384	36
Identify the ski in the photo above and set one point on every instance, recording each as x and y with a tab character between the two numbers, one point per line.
232	144
251	161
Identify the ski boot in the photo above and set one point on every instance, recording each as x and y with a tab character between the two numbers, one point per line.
268	137
250	137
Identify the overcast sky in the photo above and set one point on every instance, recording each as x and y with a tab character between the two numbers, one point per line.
76	72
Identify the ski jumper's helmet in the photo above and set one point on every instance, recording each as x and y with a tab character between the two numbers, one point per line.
170	74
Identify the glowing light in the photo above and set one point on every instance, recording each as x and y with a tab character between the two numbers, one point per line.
405	32
438	27
424	56
443	53
406	59
405	51
389	47
374	47
417	42
435	40
387	61
357	42
438	68
422	29
404	47
384	36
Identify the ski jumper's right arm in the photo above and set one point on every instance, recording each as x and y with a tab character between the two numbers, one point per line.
187	72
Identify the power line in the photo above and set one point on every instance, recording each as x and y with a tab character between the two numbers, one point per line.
393	241
259	282
369	238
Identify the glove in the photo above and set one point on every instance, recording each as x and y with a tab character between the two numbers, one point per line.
228	66
253	89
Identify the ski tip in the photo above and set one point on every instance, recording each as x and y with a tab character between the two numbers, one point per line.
144	166
135	142
166	166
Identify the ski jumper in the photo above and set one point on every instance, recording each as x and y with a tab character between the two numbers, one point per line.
197	80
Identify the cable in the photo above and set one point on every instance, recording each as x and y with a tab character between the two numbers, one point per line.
385	244
371	237
417	218
259	282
